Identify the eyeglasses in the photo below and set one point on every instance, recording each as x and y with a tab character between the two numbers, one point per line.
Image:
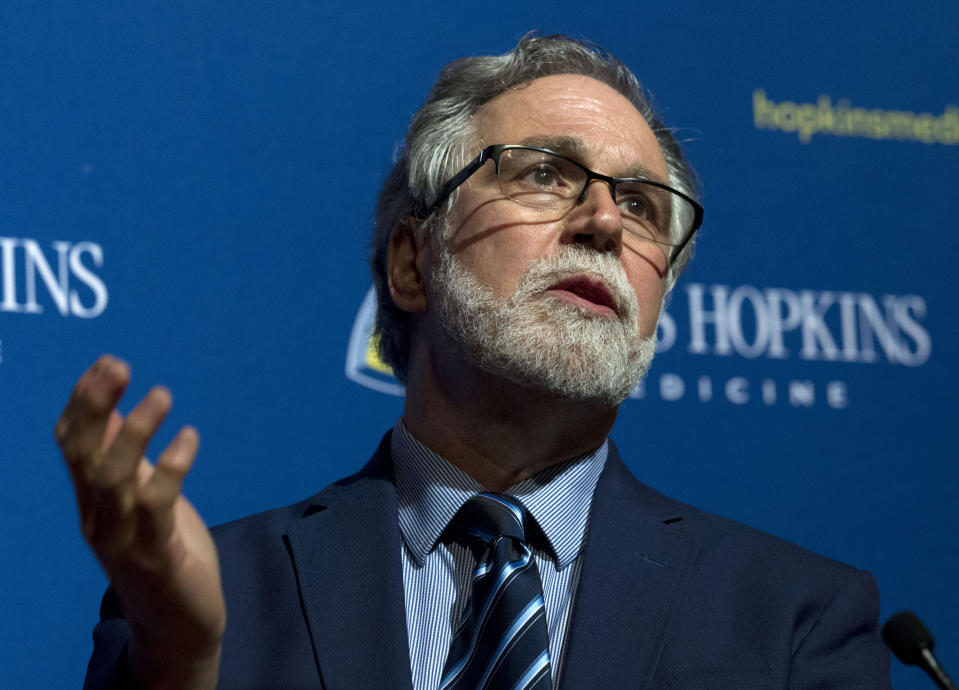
652	213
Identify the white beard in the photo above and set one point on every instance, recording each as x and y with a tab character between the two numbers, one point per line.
544	342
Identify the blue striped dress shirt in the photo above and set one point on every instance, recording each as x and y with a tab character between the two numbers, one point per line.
436	575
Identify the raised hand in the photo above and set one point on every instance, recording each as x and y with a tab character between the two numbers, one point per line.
151	542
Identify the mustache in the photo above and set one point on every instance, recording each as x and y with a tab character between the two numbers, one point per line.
543	273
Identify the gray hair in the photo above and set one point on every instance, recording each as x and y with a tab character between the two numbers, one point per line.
441	138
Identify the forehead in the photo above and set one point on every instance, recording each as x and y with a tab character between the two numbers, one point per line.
604	130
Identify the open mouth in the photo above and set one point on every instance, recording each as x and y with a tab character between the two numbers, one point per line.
586	292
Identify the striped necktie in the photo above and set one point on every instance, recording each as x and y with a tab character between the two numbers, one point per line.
501	640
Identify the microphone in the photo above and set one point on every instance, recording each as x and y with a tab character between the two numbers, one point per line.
912	644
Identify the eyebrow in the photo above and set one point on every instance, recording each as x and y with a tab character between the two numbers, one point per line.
576	148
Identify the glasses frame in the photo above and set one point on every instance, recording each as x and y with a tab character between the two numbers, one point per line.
496	150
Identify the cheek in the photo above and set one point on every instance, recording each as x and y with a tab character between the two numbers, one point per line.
499	255
648	319
649	294
500	268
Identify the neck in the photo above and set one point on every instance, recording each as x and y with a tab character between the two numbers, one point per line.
496	431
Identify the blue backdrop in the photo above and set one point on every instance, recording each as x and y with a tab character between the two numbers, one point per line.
190	185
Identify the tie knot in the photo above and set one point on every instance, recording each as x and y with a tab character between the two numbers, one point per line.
488	516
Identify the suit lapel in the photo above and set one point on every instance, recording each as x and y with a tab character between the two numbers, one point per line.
346	552
636	565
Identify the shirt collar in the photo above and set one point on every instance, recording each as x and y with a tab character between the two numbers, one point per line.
430	490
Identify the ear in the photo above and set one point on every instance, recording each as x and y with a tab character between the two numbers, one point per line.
403	264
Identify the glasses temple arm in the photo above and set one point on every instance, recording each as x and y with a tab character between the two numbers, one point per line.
460	178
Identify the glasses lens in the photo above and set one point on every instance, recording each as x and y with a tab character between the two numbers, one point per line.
653	213
650	214
646	210
539	179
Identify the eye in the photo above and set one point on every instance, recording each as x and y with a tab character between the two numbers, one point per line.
538	178
544	175
637	206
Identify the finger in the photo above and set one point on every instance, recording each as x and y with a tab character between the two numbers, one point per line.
113	426
172	466
120	461
144	472
164	485
87	494
79	432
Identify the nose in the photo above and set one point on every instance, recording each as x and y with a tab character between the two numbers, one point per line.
595	219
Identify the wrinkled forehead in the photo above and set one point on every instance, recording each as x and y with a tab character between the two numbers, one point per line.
596	124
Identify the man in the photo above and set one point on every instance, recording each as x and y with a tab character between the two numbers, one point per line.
525	242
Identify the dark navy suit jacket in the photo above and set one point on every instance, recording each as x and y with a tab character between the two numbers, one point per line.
669	597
